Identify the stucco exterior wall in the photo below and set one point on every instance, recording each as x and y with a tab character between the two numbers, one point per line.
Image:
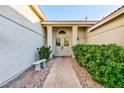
20	35
81	36
111	32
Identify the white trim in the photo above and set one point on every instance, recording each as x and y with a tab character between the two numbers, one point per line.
69	22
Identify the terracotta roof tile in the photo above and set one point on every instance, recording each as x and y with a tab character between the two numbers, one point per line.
111	14
107	16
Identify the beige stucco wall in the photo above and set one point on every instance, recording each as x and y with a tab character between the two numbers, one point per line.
81	36
111	32
20	35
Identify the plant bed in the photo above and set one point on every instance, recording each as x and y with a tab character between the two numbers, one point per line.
104	62
84	77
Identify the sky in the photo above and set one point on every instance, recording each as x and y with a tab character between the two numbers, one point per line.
77	12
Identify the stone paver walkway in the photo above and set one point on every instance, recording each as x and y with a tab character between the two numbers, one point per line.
62	75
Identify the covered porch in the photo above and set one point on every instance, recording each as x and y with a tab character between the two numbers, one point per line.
62	35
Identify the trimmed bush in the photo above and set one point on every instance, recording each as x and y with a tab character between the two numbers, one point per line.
44	52
104	62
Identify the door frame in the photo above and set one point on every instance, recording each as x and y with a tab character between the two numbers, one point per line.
62	37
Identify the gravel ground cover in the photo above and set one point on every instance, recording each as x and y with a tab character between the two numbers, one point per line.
84	77
30	78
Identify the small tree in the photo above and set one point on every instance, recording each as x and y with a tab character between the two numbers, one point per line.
44	52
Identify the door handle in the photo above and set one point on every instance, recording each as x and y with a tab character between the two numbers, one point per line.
62	47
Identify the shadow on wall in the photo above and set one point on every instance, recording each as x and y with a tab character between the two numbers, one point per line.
19	40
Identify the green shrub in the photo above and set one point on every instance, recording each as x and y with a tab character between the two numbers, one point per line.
44	52
104	62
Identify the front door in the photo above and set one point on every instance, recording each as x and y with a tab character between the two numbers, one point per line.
63	46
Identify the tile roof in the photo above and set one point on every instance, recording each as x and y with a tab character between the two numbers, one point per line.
106	18
112	13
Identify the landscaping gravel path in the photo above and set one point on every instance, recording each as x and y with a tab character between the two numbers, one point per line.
62	75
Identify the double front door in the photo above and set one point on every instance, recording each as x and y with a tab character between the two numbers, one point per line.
62	47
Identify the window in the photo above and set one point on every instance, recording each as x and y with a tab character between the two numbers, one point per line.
62	32
58	42
66	42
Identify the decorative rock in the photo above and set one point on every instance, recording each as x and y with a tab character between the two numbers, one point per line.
30	78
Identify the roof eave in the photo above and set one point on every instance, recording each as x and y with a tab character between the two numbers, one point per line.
38	12
111	16
68	22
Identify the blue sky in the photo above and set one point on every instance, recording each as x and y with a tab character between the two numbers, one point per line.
77	12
